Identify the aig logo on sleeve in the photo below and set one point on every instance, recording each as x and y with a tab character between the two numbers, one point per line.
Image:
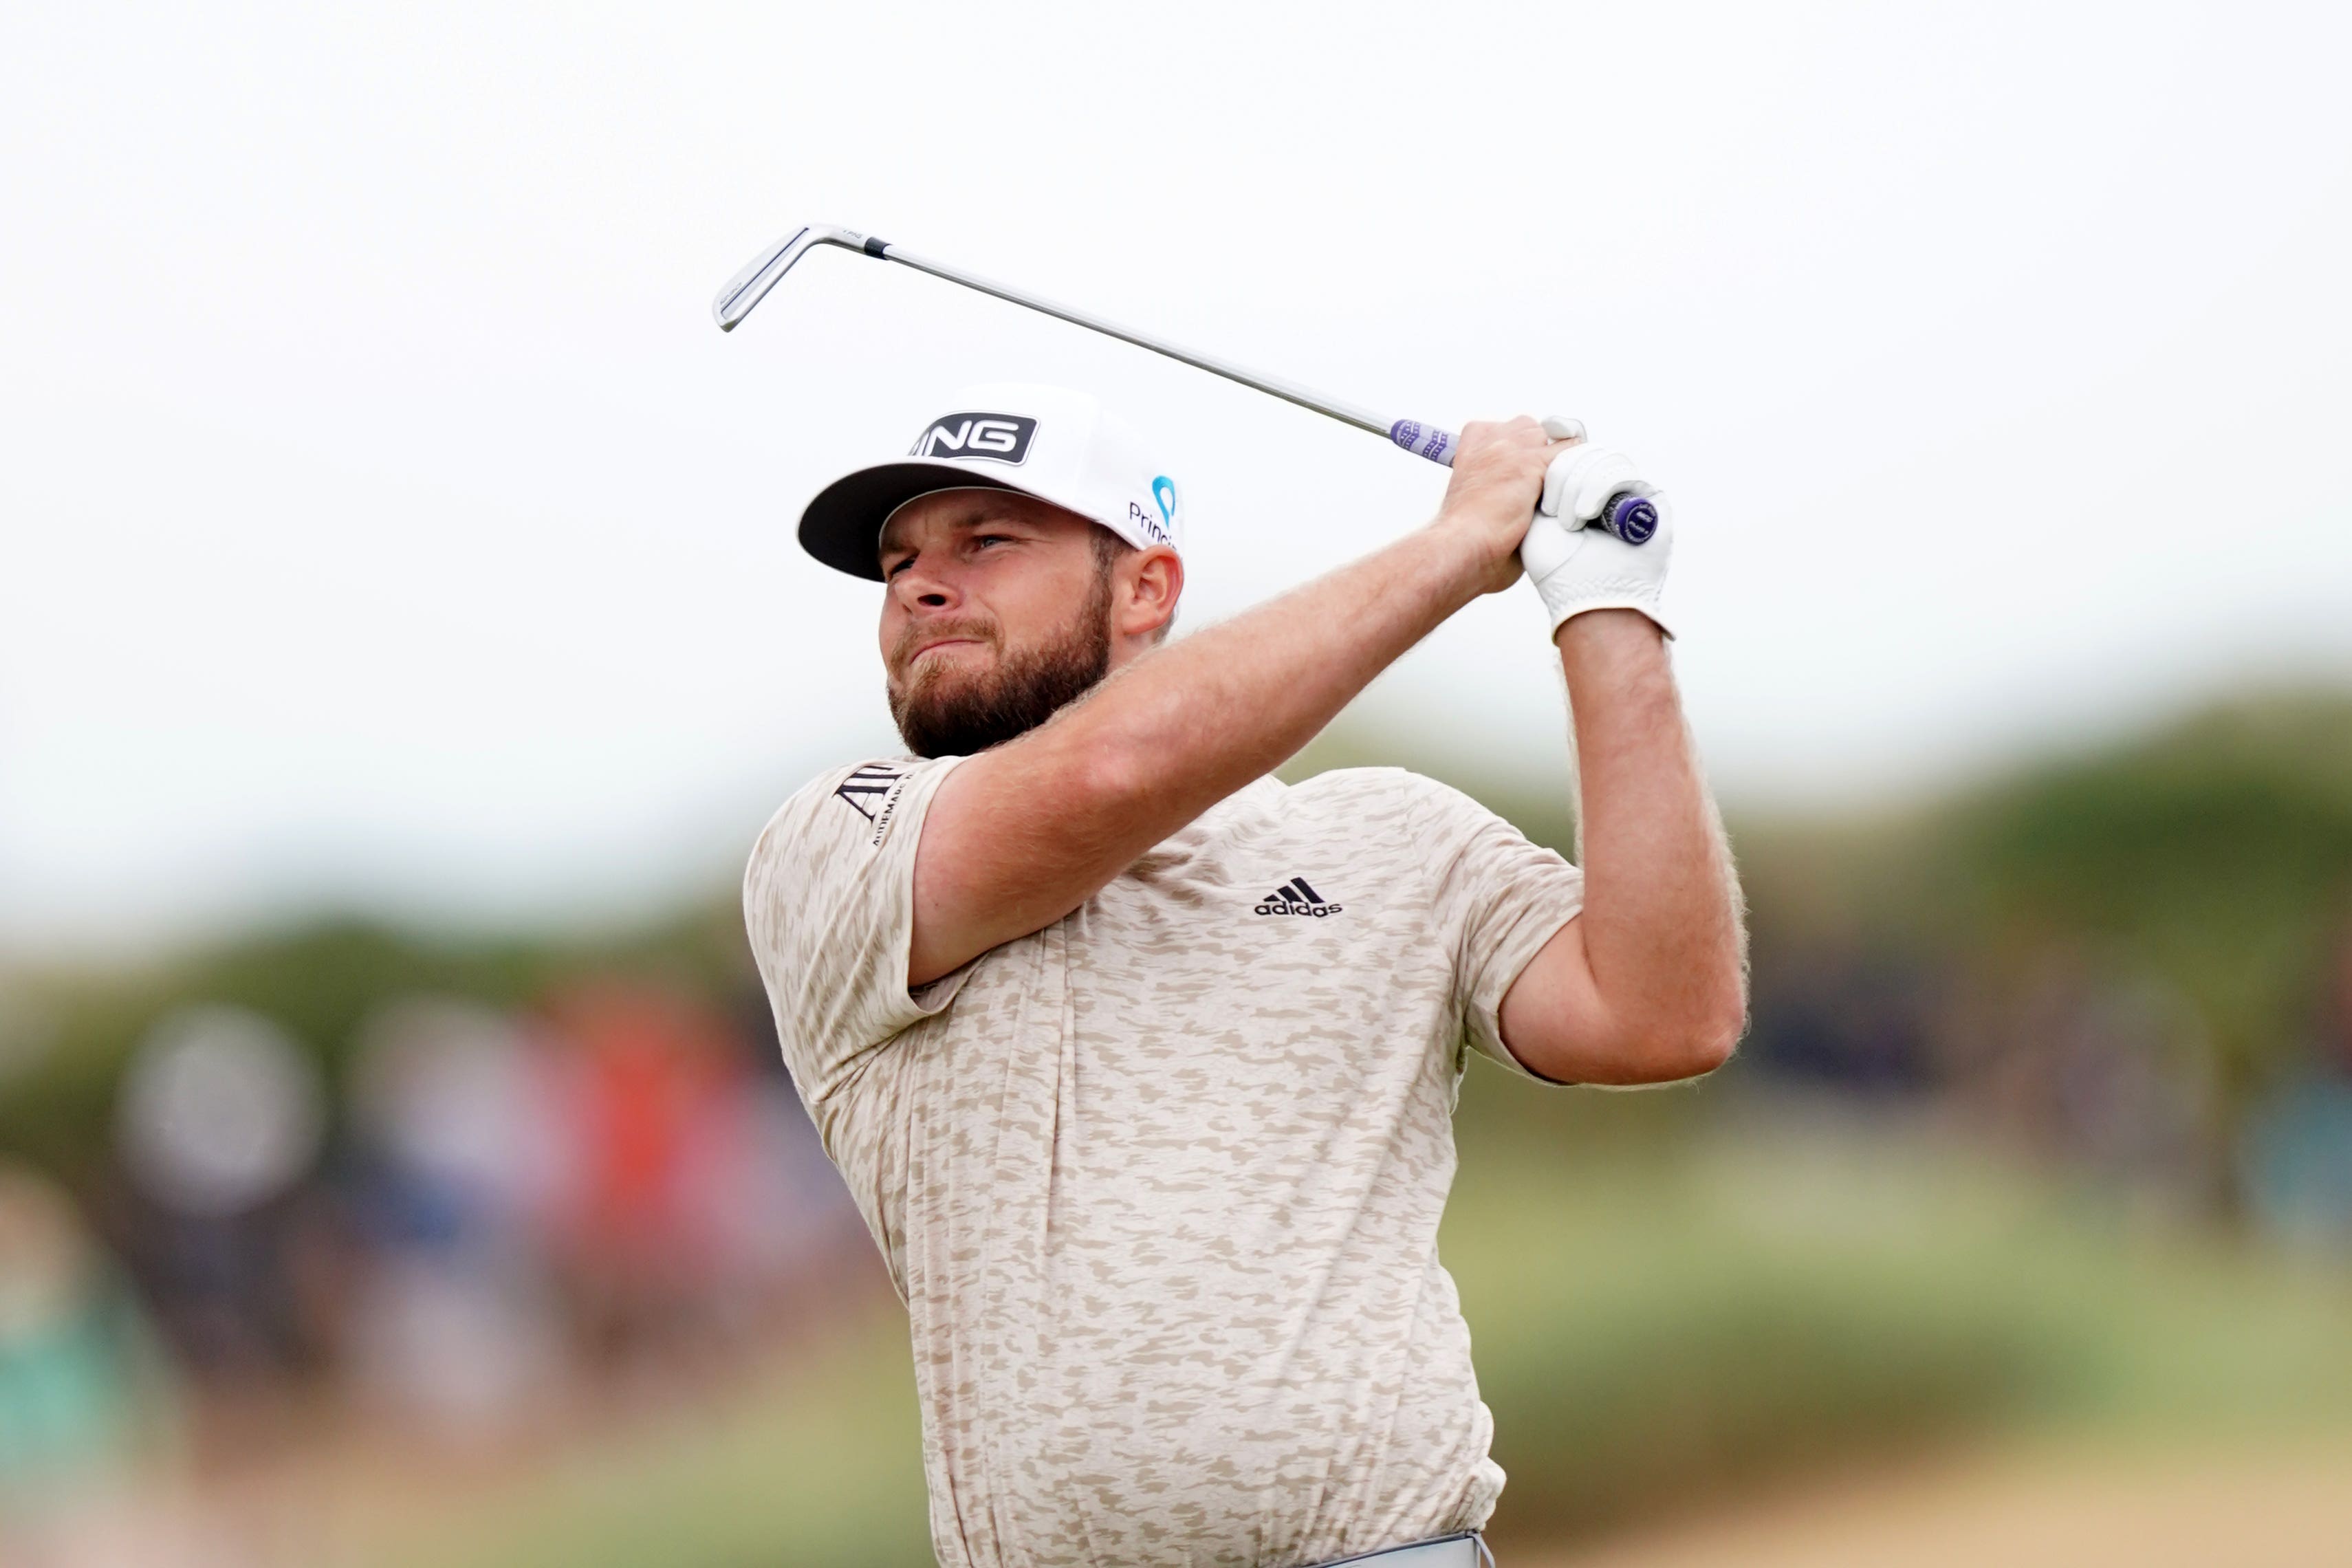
999	437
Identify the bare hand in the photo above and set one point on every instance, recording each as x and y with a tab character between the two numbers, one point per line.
1498	476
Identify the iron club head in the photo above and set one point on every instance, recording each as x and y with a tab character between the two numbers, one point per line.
749	287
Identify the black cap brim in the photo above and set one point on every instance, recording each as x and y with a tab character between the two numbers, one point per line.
842	526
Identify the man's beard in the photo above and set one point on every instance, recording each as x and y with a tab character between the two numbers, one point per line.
944	712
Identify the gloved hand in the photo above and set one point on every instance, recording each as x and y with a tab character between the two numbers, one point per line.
1575	568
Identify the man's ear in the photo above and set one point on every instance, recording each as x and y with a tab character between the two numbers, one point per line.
1150	582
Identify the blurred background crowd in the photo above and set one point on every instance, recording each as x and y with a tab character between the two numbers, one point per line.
344	1176
402	638
2040	1123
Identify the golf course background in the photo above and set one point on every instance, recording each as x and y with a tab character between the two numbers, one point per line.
2033	1142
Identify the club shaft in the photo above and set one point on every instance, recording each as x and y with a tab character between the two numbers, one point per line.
1628	517
1290	391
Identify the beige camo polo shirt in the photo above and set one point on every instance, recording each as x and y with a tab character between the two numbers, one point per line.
1160	1183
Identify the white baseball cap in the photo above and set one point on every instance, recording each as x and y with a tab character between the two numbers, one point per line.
1049	442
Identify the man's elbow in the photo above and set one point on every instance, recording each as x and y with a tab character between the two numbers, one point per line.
1710	1047
1691	1046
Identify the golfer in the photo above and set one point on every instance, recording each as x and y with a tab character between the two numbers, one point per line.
1141	1064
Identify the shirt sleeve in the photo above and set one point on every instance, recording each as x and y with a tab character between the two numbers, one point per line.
1504	898
829	906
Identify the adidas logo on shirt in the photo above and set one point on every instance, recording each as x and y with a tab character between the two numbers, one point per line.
1295	898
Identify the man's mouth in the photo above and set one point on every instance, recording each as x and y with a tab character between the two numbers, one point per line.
911	662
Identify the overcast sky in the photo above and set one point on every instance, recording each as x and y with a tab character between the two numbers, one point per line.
387	525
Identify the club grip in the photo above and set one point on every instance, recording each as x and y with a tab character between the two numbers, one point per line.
1630	517
1423	440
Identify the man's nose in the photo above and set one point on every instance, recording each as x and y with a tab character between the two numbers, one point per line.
920	584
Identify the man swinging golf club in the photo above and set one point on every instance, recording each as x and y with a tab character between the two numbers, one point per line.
1139	1063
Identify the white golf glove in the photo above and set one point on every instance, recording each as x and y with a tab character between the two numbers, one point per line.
1575	568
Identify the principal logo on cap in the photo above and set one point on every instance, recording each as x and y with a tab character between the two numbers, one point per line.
999	437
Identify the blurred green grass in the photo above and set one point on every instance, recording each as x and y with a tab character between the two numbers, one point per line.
1794	1287
1672	1296
813	1463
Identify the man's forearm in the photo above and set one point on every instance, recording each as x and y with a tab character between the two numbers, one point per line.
1166	737
1196	720
1661	921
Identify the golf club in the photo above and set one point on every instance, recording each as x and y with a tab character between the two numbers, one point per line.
1630	517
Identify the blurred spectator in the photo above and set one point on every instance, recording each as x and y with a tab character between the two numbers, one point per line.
74	1383
1853	1021
454	1097
769	1207
218	1117
2299	1162
452	1322
626	1175
2104	1068
220	1112
2299	1151
666	1149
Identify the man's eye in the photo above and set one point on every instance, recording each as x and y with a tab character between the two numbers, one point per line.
992	538
896	567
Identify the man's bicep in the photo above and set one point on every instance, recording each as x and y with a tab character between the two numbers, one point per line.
1512	907
827	906
1556	1022
1552	1019
1015	838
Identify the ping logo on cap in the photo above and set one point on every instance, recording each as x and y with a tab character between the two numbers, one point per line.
999	437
